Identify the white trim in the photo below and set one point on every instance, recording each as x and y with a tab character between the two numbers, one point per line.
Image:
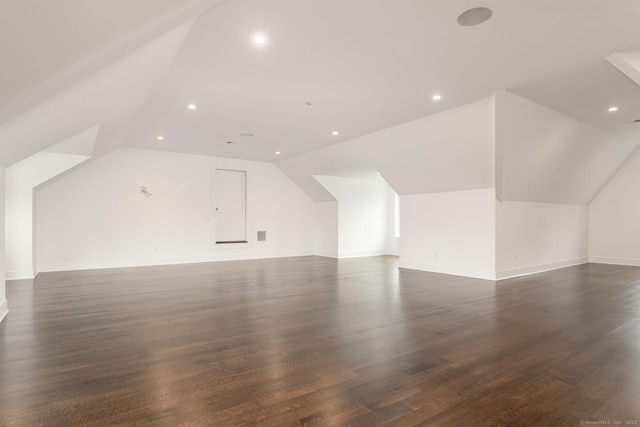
327	254
454	271
3	310
362	254
48	268
524	271
615	261
19	275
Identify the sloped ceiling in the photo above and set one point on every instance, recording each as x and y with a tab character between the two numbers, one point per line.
359	67
449	151
109	97
81	144
628	63
47	44
366	65
547	157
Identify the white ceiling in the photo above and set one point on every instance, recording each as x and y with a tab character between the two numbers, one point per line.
365	65
370	64
550	158
46	45
110	97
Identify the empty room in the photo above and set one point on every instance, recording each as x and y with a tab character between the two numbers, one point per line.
320	213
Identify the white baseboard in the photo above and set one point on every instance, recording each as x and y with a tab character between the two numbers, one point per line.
635	262
454	271
327	254
361	254
19	275
517	272
3	310
495	276
50	268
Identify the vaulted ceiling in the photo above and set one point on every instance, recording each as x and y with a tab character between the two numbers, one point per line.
353	67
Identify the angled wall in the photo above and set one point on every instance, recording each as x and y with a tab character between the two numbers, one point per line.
465	208
614	231
21	179
363	214
448	151
436	163
549	167
543	169
547	157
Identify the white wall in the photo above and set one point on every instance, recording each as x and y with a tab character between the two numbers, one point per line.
3	295
97	217
614	218
327	229
451	233
21	178
534	237
363	214
393	243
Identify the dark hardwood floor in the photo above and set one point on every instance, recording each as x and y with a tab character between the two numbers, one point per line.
317	341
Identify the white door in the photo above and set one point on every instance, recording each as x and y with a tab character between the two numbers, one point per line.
230	206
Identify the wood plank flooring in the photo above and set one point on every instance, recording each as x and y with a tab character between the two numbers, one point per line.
317	341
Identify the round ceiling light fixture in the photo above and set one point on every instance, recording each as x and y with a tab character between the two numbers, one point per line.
475	16
260	39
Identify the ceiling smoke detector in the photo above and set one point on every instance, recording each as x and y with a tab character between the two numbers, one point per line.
475	16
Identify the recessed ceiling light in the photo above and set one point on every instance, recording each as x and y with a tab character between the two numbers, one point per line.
246	134
260	39
613	109
335	132
160	138
475	16
437	97
277	153
192	106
